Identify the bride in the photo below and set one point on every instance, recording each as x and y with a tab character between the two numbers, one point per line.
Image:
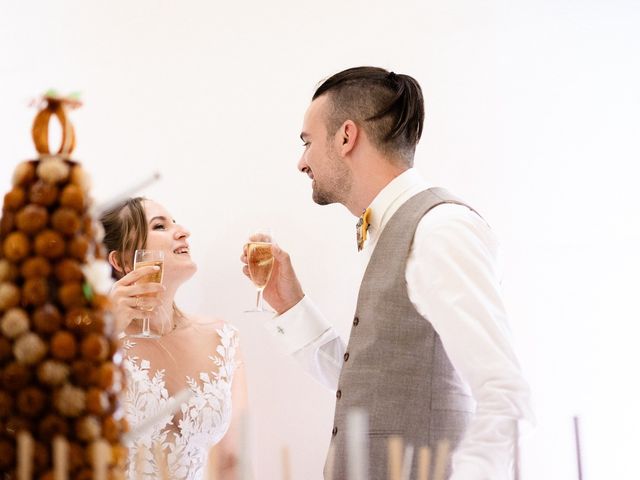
193	352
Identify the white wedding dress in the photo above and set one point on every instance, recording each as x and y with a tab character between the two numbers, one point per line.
195	357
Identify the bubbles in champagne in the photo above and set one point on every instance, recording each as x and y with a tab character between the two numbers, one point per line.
260	262
155	277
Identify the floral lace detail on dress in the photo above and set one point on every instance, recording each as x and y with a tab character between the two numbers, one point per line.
204	418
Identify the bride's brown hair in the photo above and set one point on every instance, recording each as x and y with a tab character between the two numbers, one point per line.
126	230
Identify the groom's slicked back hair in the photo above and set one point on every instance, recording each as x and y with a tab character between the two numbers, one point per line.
389	106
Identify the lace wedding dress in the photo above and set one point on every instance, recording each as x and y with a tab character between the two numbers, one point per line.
198	358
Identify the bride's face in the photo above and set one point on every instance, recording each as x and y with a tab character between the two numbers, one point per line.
171	238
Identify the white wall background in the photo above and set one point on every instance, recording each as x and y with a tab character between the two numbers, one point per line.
532	117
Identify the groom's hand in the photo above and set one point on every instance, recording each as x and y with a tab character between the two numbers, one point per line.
283	290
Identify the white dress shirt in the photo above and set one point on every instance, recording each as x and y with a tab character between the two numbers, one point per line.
453	281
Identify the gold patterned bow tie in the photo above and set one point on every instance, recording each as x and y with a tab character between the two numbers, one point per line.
361	228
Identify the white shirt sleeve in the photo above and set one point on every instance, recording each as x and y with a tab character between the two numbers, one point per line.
453	281
305	333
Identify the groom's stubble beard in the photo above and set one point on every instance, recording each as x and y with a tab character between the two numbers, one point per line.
335	189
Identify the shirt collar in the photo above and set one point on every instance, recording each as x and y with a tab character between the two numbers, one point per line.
408	180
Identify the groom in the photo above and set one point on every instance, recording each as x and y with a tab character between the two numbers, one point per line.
429	356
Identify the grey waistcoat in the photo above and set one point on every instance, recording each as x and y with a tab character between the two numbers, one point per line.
395	366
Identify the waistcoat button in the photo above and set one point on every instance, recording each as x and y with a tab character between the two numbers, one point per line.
339	394
334	432
346	356
356	321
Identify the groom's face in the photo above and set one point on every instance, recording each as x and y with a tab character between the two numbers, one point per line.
331	179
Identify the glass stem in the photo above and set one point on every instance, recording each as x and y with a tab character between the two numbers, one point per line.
260	300
146	329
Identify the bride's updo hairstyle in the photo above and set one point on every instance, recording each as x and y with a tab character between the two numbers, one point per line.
125	231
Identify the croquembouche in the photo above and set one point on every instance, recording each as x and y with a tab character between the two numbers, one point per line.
60	371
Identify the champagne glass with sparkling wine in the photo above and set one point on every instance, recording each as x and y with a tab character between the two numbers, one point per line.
260	263
147	258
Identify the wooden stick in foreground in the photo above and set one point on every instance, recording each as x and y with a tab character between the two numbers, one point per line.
395	453
60	458
25	455
140	460
161	461
286	464
100	453
576	430
424	463
442	459
211	472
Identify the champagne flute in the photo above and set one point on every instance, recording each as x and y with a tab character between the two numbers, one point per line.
147	258
260	262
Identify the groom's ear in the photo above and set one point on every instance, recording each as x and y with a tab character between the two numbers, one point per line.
348	135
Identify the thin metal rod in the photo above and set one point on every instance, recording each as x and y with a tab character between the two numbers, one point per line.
127	193
576	430
516	450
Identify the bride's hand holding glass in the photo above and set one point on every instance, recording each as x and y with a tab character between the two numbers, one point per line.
130	297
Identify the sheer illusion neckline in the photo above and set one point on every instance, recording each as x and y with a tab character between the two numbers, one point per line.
201	421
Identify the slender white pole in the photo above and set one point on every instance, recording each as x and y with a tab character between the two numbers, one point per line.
129	192
357	445
576	430
407	463
516	450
